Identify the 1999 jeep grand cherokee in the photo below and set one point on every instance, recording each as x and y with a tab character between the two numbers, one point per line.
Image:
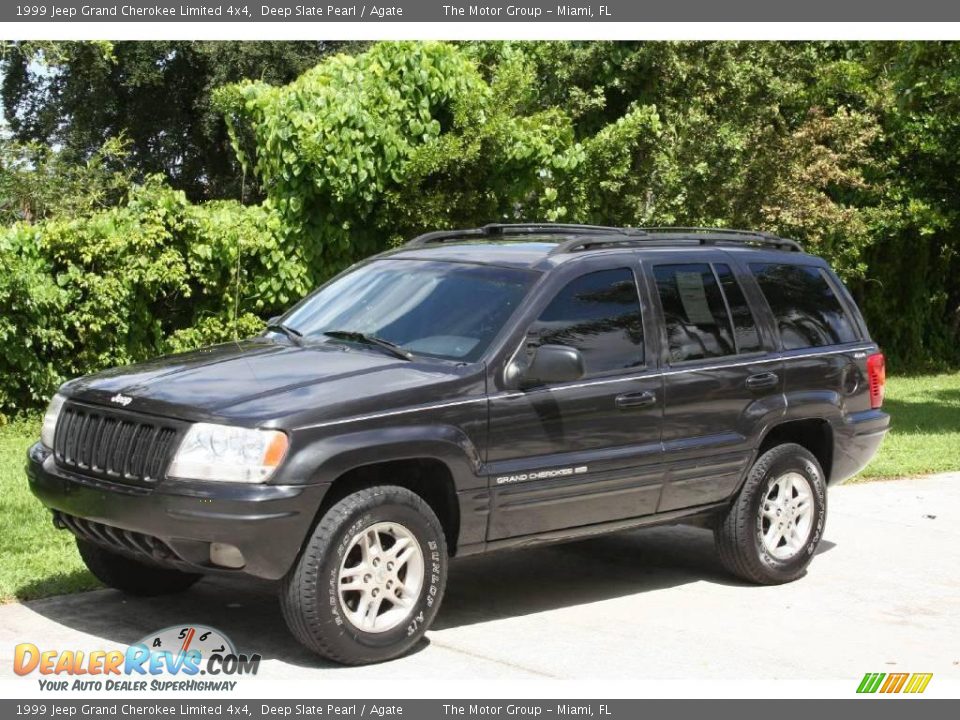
476	390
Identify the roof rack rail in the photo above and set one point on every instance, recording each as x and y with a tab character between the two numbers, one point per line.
646	237
507	229
598	236
595	243
755	237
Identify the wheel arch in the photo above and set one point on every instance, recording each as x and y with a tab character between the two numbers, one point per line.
428	477
438	463
814	434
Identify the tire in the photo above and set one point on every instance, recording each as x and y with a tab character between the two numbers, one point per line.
350	537
778	479
130	576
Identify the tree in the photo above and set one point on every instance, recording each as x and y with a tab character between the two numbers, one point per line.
76	95
912	292
36	182
849	147
363	151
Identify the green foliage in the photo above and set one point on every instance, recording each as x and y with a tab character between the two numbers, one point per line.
212	329
37	182
152	275
849	147
30	302
329	145
711	134
361	152
912	294
155	93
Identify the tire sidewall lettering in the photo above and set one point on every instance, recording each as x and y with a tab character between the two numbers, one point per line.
430	593
333	574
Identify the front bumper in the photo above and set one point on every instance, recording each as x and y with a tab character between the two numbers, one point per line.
267	523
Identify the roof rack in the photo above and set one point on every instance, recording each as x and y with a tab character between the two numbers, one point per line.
589	237
754	237
507	229
646	237
596	243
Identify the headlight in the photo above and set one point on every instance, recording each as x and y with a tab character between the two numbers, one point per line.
229	454
50	420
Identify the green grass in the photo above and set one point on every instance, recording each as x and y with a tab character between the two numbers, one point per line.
925	434
37	561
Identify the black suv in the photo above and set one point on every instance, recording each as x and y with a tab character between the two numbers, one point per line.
471	391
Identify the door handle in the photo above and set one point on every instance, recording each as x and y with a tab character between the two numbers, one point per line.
628	401
762	381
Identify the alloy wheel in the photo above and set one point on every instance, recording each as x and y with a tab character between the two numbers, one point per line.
381	577
786	515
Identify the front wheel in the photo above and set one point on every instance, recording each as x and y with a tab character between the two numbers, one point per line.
370	579
770	533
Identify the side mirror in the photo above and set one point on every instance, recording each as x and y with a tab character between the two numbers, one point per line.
549	364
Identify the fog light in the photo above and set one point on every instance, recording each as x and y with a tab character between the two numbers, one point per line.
226	555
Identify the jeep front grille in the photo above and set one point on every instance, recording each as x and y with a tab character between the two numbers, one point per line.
108	445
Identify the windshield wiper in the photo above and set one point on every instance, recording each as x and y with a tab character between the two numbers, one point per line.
357	336
295	336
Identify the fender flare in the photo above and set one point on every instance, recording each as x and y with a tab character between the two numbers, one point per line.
325	459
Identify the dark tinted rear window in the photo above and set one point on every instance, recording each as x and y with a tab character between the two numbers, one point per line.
694	313
744	326
806	309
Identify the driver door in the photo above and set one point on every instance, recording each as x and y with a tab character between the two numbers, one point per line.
587	451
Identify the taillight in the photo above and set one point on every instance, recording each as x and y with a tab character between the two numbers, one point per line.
877	377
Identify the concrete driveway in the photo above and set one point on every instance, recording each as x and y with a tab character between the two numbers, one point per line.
883	594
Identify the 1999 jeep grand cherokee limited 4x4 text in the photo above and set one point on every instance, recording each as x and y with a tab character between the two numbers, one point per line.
476	390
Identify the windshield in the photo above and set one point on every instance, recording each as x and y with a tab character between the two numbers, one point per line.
442	309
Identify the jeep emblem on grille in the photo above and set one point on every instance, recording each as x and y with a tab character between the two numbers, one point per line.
121	399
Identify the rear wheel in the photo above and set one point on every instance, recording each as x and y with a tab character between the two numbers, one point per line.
130	576
773	528
370	579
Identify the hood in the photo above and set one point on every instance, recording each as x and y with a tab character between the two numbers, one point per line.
258	379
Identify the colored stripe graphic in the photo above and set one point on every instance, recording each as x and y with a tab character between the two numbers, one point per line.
918	682
870	682
894	682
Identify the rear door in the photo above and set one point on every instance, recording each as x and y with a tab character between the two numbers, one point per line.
587	451
722	378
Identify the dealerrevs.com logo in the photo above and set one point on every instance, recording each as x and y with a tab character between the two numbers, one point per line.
180	658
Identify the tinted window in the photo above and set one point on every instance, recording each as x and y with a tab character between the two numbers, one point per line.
744	327
694	312
599	314
430	308
807	312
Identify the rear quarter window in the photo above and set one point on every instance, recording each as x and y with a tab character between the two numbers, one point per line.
805	307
